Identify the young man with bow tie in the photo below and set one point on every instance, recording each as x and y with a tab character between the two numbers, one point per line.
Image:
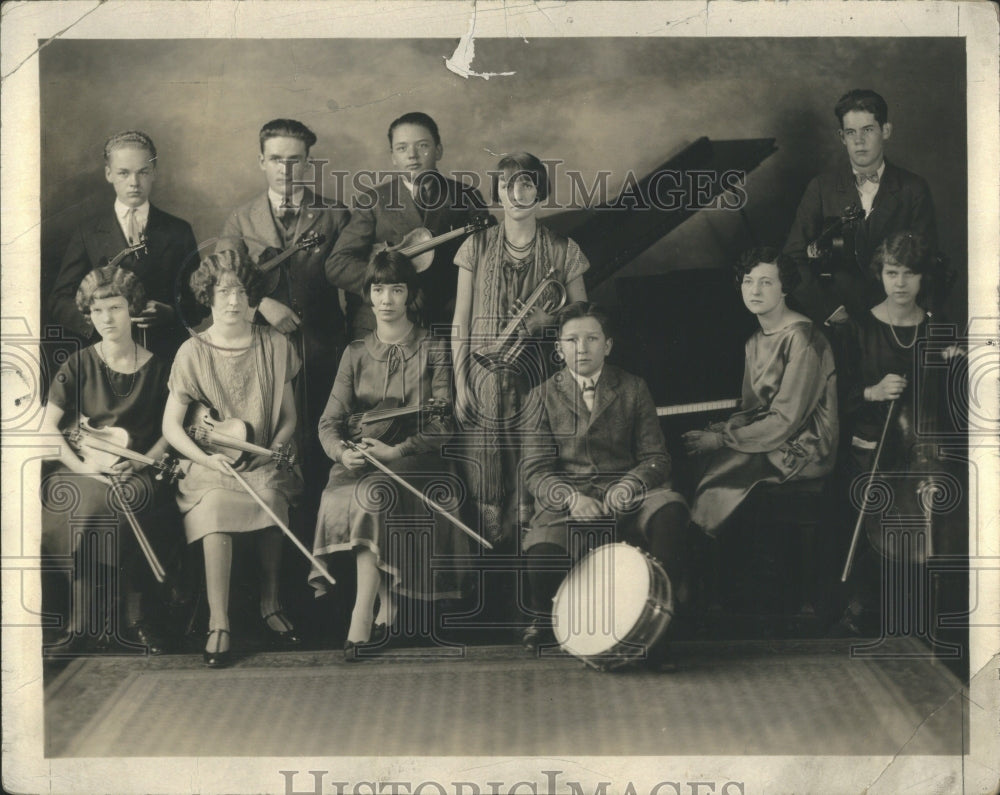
302	298
599	456
890	199
417	195
130	167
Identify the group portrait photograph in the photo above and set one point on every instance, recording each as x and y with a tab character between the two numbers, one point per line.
500	397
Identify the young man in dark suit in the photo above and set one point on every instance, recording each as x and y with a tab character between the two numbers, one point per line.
599	453
891	199
130	167
418	196
303	299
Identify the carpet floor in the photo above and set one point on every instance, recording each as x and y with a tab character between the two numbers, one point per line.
751	697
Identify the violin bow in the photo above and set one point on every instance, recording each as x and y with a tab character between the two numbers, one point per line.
431	503
849	563
284	528
147	549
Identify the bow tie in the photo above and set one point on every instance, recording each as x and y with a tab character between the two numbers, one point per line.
862	178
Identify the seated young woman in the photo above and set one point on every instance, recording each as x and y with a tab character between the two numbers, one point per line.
242	371
392	537
787	425
114	383
882	350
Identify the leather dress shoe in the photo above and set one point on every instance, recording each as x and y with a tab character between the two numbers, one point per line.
217	659
538	634
141	633
282	638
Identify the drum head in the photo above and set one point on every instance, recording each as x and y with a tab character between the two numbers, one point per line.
601	600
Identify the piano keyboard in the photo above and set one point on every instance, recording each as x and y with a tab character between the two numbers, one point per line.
692	408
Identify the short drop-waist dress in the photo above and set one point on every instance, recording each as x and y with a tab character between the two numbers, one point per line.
246	384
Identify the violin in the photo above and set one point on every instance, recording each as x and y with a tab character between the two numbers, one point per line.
419	244
274	258
105	447
232	437
832	241
390	422
117	258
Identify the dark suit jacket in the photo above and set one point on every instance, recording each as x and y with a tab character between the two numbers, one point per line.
385	214
169	242
903	203
621	438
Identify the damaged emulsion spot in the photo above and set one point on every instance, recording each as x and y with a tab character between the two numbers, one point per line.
461	60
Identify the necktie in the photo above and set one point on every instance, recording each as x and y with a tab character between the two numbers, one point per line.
132	231
287	217
589	390
862	178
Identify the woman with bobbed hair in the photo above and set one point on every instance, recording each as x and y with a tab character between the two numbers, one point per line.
786	428
499	268
400	363
115	382
242	371
885	401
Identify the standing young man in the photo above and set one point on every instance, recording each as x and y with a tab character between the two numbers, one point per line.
130	167
891	199
418	196
302	299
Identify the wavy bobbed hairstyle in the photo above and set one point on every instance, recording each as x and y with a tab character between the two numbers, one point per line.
788	273
216	267
110	282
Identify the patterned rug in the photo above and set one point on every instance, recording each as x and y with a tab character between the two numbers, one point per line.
805	698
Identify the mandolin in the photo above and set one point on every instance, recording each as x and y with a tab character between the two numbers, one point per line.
231	437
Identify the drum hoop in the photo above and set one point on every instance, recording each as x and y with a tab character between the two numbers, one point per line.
652	621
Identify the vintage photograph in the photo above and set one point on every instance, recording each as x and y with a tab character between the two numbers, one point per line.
493	398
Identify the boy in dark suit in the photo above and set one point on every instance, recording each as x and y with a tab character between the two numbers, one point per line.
892	200
130	167
610	461
419	196
303	300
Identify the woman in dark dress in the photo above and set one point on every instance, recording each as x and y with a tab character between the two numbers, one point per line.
883	393
391	533
114	383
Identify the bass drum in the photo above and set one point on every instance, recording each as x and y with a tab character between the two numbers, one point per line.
614	604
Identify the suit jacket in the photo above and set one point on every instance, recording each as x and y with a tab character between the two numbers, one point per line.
588	451
170	243
385	214
903	203
311	287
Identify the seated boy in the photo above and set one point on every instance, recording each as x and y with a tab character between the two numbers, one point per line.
610	463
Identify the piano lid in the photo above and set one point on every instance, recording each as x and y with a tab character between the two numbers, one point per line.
613	234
